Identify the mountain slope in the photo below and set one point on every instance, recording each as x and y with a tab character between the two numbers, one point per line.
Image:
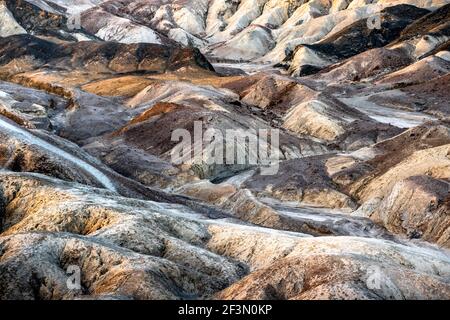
225	149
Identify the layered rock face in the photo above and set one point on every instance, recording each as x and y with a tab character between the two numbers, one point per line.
346	195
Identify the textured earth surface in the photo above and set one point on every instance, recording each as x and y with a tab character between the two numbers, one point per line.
357	205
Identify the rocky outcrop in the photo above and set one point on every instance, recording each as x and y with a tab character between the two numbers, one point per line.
45	22
401	182
132	167
355	38
8	25
309	271
175	253
417	207
303	180
101	56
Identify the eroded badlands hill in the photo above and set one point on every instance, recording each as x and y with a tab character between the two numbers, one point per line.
358	208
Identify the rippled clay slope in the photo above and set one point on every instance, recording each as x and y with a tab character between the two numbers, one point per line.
358	208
